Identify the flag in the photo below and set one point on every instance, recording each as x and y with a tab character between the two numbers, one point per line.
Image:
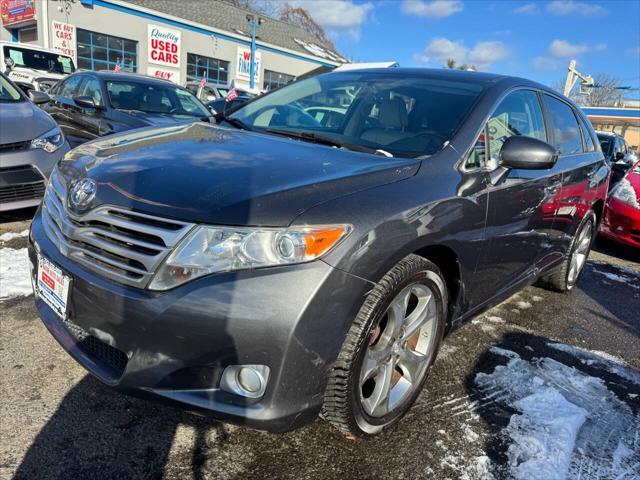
117	68
203	82
233	93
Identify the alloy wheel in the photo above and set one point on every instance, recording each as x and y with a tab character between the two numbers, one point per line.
580	252
399	350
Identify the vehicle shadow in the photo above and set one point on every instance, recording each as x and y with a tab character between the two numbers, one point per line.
521	365
17	215
99	433
608	247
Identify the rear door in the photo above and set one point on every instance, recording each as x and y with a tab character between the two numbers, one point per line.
519	219
584	172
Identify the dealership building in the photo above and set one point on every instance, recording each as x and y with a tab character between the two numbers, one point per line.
185	40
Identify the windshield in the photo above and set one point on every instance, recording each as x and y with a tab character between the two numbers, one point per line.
407	115
164	99
8	93
46	61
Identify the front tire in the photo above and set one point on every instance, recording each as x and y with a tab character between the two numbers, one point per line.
565	277
389	349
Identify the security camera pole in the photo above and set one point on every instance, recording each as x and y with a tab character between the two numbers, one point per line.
254	25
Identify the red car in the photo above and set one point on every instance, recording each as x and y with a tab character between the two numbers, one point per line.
621	220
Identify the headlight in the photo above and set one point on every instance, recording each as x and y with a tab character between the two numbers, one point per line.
223	249
50	141
625	193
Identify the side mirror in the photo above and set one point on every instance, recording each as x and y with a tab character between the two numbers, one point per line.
39	97
85	102
527	153
213	111
9	63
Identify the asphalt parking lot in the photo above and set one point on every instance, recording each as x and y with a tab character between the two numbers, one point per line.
485	412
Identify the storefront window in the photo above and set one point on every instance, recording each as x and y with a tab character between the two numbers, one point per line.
273	80
98	51
213	69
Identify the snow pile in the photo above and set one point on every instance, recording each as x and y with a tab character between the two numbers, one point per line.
609	362
5	237
544	435
15	276
567	424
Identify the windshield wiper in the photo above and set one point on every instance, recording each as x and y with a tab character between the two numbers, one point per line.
232	121
314	138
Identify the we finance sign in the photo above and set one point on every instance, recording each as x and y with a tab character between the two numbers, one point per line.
163	46
243	65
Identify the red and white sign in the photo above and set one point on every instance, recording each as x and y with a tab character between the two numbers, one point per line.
163	46
171	75
53	286
17	11
64	39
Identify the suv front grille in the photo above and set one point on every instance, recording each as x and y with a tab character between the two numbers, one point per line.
117	243
14	147
20	183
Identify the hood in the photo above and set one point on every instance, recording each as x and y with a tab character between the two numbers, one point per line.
21	121
30	74
206	173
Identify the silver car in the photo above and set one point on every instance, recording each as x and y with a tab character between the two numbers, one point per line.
31	143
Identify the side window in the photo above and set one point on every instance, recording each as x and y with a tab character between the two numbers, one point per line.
566	132
477	156
518	114
586	134
71	86
91	88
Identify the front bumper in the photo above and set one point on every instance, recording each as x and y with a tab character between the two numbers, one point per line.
621	223
24	174
174	345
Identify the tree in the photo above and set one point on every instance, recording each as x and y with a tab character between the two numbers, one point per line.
606	91
297	16
300	17
452	65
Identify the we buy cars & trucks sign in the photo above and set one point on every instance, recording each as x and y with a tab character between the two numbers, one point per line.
64	39
163	46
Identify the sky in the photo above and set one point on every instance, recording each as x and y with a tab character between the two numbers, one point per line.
532	39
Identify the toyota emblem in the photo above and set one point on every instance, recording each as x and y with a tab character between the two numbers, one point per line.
82	193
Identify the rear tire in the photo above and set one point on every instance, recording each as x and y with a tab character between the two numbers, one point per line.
564	277
389	349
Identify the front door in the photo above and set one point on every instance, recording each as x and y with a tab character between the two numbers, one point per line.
520	219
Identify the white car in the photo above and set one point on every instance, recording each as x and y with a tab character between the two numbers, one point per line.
32	67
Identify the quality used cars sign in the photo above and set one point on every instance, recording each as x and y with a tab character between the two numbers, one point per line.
163	46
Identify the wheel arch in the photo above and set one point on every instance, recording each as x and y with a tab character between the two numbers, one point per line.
447	261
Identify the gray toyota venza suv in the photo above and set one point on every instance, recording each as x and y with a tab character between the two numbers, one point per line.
276	266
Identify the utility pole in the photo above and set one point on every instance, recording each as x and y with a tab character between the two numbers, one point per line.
254	26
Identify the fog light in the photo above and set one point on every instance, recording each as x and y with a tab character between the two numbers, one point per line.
245	380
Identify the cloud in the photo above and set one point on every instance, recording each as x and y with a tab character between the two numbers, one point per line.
433	9
337	16
483	54
564	49
571	7
527	9
546	63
